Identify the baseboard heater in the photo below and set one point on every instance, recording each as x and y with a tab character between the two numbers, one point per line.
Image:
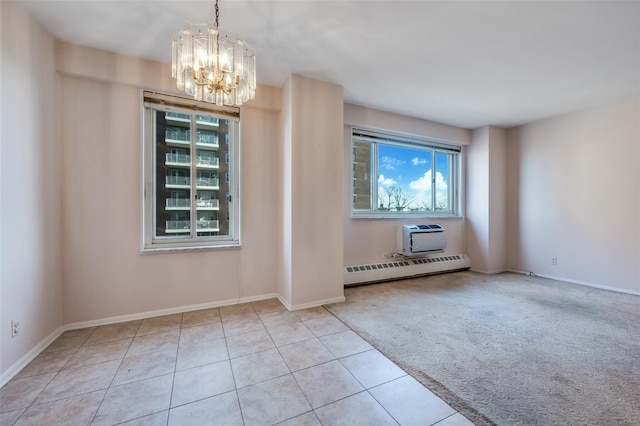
405	268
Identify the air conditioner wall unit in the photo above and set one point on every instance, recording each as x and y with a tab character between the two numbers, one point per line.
418	240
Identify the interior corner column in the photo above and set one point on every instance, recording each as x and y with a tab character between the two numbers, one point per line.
312	185
486	200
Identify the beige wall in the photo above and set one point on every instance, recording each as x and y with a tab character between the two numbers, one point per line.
30	224
485	229
367	240
105	275
574	194
477	196
497	200
290	238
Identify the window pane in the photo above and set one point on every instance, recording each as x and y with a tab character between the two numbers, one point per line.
188	170
209	131
362	175
442	182
404	179
395	177
173	175
174	170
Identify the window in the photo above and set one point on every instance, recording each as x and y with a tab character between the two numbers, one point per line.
181	171
396	176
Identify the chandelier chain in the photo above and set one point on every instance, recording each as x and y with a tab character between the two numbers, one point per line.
217	40
217	14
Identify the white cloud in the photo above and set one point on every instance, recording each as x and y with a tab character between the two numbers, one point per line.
390	163
441	185
424	183
416	161
382	181
422	188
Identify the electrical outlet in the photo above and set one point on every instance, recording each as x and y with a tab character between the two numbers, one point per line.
15	328
554	261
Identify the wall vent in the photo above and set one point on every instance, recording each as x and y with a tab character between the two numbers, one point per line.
387	271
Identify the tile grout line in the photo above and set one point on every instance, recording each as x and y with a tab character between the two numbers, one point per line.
175	370
289	368
380	403
365	389
32	403
235	383
303	394
115	374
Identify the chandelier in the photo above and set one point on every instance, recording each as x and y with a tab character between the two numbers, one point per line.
213	66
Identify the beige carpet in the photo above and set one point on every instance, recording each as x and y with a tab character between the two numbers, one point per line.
509	349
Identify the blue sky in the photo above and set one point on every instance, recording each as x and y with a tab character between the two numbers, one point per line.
411	169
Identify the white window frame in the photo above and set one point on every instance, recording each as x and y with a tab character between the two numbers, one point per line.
376	137
152	102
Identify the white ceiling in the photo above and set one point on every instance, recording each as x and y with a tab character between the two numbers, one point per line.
468	64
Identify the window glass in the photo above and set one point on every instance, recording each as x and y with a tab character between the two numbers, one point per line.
442	182
392	177
362	158
182	183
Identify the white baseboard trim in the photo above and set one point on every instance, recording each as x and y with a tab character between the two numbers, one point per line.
584	283
284	302
313	304
258	298
168	311
493	272
30	356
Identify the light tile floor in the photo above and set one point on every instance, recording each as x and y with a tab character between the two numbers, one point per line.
249	364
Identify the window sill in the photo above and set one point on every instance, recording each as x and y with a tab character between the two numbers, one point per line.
174	249
421	216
